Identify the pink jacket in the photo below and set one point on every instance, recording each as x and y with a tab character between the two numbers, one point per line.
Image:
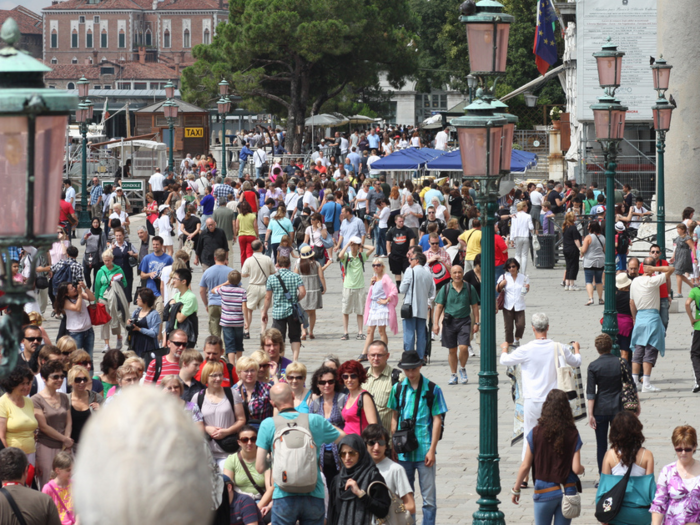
393	295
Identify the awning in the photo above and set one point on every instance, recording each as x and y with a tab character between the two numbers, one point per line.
406	159
520	161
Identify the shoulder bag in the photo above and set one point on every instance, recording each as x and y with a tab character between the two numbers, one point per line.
501	299
298	313
404	439
407	309
570	504
13	504
565	374
398	515
610	503
628	396
98	314
257	487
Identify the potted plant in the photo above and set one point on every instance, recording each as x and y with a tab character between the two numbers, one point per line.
555	115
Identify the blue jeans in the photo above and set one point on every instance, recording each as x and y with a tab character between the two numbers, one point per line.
414	335
233	338
259	173
663	312
548	510
241	168
426	477
499	270
381	241
305	509
84	340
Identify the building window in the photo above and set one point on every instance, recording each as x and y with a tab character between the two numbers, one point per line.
74	39
81	19
122	38
97	87
54	60
166	39
106	70
124	85
54	38
149	38
103	38
140	85
206	39
96	19
106	86
70	85
74	60
88	39
186	38
52	86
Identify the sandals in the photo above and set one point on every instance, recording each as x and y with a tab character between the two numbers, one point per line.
600	301
303	337
246	335
590	302
312	336
361	337
345	337
362	357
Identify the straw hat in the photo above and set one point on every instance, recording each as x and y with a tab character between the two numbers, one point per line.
305	252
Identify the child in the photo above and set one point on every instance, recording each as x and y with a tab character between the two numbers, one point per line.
59	488
547	218
16	275
233	311
285	248
190	362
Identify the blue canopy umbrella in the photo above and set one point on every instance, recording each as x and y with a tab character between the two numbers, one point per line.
406	159
520	161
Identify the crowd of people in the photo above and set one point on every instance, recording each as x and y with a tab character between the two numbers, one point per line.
361	433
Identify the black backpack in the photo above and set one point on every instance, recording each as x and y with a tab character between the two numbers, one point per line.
64	274
623	243
430	398
300	232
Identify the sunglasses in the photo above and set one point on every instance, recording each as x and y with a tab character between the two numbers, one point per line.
55	377
33	339
349	453
265	366
686	450
69	352
372	442
179	344
511	267
328	382
80	380
349	376
377	265
655	251
295	378
245	441
84	363
434	244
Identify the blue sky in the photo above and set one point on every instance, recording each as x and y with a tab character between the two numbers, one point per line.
33	5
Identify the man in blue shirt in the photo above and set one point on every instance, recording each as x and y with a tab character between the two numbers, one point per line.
207	204
211	278
96	199
150	268
288	508
331	211
373	140
427	423
355	159
350	226
242	158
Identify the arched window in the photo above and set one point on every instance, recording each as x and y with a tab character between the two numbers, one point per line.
54	38
54	60
70	85
186	38
103	38
166	38
149	38
88	39
74	60
207	37
122	38
74	38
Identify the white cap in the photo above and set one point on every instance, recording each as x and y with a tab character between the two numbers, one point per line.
619	226
540	185
163	206
355	240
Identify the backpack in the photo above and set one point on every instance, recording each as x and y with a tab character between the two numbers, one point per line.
360	406
64	274
395	375
294	455
300	232
430	398
623	243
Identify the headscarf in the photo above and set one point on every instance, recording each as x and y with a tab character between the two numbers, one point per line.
95	231
350	509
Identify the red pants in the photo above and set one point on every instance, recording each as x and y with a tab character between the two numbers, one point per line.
245	242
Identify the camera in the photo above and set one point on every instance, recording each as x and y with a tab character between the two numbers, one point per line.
448	317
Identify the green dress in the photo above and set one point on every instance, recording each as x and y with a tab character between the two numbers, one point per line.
638	497
104	278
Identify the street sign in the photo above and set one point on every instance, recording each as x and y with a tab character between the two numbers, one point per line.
194	133
127	185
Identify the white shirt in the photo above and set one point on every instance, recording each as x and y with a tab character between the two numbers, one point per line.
361	194
370	161
536	198
310	201
634	223
70	195
521	225
411	221
156	181
185	163
260	157
121	217
440	213
384	217
395	477
441	140
415	142
538	368
514	297
645	291
403	144
343	145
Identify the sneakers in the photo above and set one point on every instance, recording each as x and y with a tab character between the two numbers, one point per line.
463	379
453	380
119	344
432	336
472	353
650	388
696	389
574	288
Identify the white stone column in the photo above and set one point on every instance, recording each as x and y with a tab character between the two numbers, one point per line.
678	39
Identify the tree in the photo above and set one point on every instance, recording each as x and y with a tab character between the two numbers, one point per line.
295	55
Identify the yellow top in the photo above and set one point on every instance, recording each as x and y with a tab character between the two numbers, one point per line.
472	238
247	224
21	424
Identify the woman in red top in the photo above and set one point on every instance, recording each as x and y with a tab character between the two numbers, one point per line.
250	196
353	374
151	213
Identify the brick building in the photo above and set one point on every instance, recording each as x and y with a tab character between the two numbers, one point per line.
30	29
82	32
111	75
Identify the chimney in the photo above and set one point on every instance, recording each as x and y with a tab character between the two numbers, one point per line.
177	69
87	61
178	58
142	55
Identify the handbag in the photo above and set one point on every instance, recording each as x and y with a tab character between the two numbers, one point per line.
404	439
41	282
298	313
257	487
407	308
328	241
570	504
565	374
398	515
98	314
501	300
609	504
90	258
628	395
535	243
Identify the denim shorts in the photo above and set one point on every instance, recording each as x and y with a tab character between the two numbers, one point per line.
592	273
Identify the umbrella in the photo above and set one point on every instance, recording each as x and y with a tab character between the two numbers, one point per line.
324	120
360	119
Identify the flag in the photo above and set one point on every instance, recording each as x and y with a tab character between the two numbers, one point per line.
545	48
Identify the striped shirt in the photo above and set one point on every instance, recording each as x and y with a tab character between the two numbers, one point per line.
232	299
95	194
222	191
380	388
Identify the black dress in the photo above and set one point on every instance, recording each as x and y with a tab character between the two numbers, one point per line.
140	343
121	259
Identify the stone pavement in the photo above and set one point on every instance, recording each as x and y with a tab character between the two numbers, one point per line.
458	451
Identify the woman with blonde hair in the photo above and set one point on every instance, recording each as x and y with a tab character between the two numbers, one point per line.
263	361
572	251
380	306
296	377
106	275
59	487
83	401
254	389
174	385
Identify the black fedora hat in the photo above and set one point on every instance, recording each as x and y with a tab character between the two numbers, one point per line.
410	360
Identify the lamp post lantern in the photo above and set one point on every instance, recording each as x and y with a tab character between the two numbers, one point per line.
472	83
223	107
485	141
83	116
530	99
609	119
662	111
170	109
33	122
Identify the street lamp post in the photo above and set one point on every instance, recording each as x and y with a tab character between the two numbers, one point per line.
471	84
83	116
662	122
33	122
223	107
485	141
170	109
609	119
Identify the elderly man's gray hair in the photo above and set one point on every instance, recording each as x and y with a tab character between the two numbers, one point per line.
540	322
152	450
142	229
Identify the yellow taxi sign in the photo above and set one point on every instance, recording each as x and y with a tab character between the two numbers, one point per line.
194	133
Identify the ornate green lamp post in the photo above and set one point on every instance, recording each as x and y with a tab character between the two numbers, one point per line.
662	122
33	123
223	107
170	109
609	119
83	116
485	141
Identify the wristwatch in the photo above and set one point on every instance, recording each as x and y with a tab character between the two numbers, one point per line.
362	494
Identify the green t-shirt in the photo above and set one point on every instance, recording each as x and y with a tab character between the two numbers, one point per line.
189	303
240	479
458	303
694	294
354	275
